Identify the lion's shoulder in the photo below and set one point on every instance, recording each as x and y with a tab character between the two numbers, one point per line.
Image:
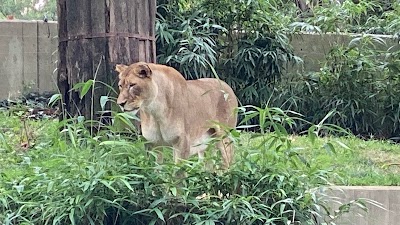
166	71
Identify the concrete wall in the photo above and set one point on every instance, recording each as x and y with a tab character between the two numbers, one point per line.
28	54
27	58
386	210
312	48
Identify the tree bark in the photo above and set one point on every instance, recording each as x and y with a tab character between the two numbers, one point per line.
94	36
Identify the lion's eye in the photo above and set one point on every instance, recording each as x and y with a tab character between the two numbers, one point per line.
131	85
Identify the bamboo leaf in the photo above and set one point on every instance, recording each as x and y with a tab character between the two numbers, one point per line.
85	88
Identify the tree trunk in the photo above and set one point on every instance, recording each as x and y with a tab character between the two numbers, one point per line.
95	35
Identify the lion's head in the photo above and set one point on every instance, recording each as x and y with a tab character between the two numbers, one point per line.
135	86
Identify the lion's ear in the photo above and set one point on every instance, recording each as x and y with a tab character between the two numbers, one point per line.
144	71
120	68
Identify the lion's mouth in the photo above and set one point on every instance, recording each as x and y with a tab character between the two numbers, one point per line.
132	110
129	109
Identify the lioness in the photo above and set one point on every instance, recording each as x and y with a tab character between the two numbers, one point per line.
176	112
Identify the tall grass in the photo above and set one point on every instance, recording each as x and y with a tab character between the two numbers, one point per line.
78	178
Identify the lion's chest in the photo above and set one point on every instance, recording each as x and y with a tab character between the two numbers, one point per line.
158	134
152	134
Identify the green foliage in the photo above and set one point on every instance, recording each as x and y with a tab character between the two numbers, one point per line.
356	161
359	81
376	16
356	82
77	178
186	41
28	9
341	17
249	48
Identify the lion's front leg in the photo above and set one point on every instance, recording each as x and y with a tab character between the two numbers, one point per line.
181	148
156	149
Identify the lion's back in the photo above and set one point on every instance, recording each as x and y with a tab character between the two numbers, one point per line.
212	99
198	100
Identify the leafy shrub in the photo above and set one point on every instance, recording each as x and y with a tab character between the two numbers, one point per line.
249	48
108	179
375	17
186	41
26	9
344	17
359	81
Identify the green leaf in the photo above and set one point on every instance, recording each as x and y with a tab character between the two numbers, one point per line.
88	84
209	222
159	214
116	143
78	86
173	191
343	145
156	202
127	184
282	208
71	136
329	114
54	98
108	185
312	135
152	222
50	186
103	102
329	148
71	216
80	119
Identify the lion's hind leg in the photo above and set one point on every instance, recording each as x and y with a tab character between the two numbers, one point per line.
226	148
224	144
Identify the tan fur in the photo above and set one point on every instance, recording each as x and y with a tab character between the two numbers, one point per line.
176	112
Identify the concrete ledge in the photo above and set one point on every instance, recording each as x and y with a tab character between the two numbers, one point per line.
383	203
